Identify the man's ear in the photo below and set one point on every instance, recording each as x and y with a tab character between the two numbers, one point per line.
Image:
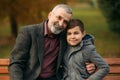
49	14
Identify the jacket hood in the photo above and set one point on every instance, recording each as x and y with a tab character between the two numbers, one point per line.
88	39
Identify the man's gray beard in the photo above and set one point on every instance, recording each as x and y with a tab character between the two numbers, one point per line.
54	30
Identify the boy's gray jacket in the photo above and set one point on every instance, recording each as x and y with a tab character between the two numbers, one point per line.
79	55
27	55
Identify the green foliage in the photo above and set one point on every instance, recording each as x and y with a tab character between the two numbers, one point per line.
27	11
111	10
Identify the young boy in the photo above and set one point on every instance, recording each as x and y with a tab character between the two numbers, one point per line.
81	50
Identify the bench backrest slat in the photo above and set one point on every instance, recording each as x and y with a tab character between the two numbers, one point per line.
113	61
114	70
4	62
112	78
3	70
5	77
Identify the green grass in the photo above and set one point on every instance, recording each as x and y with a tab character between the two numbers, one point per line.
6	42
5	50
106	42
4	31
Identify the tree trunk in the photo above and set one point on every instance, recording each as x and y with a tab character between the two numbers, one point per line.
14	26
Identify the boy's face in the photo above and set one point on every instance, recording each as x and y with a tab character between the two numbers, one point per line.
74	36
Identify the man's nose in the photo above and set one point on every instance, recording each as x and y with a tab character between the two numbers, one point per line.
61	22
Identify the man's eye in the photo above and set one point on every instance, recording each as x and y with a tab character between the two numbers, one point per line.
59	17
66	22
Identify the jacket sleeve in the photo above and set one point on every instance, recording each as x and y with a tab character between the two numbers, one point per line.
103	67
19	55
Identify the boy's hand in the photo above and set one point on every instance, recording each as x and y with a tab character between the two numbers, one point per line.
90	68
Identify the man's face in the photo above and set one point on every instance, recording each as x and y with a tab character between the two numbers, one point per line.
58	20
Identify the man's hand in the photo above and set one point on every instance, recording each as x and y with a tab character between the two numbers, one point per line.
90	68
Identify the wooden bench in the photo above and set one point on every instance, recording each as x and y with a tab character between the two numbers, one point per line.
114	73
4	69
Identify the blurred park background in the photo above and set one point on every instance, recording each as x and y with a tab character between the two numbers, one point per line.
101	19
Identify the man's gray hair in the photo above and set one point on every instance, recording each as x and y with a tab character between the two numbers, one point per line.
66	7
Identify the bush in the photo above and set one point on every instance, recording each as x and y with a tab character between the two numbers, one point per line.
110	9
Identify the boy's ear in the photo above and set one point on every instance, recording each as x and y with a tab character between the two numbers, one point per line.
84	33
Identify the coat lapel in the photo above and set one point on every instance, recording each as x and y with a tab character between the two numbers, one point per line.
63	45
40	43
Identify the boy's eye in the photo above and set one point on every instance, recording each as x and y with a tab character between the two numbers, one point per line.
76	33
68	33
